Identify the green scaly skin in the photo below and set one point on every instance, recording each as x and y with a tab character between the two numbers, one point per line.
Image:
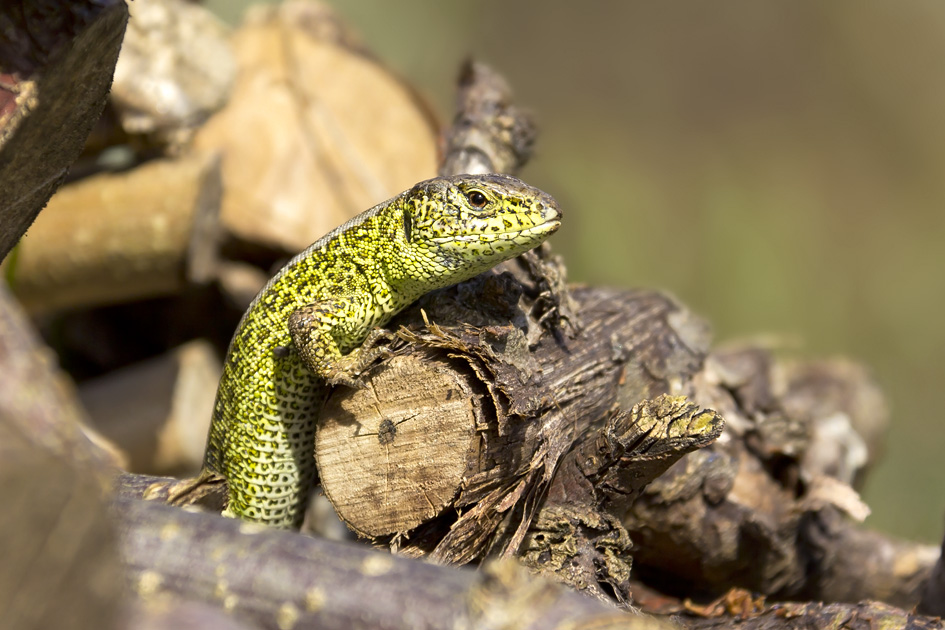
304	330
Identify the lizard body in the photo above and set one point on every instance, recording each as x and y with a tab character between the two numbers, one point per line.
304	330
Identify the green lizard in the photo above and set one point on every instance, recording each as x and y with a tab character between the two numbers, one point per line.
304	330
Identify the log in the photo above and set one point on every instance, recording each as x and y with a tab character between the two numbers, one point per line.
518	410
332	132
176	68
277	579
413	452
38	406
119	237
60	565
56	65
55	536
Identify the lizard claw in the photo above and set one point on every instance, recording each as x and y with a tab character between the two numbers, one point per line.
346	374
346	381
349	369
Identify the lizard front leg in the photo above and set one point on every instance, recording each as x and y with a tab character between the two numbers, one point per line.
323	330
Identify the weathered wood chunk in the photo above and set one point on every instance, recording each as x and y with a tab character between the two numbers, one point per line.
56	65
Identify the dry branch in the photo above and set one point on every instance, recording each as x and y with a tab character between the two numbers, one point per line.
577	535
754	511
489	134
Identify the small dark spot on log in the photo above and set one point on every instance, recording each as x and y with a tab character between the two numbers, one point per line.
386	432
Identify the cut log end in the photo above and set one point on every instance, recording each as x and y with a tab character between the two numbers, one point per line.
414	439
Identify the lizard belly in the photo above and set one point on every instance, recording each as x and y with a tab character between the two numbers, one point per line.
269	455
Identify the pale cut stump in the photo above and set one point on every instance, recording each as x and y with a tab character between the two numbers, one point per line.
414	443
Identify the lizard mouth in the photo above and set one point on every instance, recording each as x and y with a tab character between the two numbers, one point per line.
548	227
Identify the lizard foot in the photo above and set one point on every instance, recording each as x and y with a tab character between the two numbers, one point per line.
341	375
348	369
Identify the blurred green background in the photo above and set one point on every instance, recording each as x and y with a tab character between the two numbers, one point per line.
777	165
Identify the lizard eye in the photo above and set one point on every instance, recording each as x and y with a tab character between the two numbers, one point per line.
476	198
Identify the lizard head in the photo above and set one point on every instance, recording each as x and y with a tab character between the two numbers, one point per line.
457	227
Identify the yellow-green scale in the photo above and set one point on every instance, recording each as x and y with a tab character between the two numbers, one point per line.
304	329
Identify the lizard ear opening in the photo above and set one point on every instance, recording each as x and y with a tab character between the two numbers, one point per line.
408	225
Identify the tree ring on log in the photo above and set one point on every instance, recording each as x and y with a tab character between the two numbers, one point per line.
395	454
